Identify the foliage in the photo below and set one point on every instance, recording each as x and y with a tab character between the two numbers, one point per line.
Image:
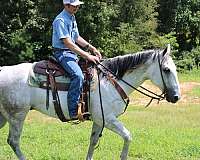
188	60
139	17
167	14
116	30
195	54
183	19
184	64
170	38
25	31
115	27
188	24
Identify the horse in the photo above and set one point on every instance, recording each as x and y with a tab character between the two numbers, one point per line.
17	97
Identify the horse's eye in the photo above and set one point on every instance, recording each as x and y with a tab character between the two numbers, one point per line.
166	70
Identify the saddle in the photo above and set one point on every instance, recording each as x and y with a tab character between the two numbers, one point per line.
51	69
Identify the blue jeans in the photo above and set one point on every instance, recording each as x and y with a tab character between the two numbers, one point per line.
75	73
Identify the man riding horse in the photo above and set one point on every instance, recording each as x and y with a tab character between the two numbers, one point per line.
64	39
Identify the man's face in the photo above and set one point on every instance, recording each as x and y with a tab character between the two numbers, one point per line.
72	9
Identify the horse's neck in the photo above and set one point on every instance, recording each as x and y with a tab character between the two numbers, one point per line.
135	78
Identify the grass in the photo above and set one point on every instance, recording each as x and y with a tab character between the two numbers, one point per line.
195	91
166	132
159	133
193	75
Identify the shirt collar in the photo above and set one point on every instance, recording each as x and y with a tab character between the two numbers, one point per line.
66	13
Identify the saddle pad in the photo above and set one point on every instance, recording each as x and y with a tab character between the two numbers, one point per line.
39	80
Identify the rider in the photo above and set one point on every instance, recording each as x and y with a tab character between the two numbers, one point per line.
64	41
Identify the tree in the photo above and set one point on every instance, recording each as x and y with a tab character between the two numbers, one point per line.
116	27
25	29
167	15
188	24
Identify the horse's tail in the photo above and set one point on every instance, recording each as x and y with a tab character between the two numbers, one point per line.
2	121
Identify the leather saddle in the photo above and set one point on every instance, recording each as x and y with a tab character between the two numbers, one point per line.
51	69
45	66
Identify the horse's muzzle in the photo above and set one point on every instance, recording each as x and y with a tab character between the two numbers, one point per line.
172	97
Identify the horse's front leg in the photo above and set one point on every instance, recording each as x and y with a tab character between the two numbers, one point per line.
117	127
93	140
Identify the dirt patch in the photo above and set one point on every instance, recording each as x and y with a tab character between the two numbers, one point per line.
186	88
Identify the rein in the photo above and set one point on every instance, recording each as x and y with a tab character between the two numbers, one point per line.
101	104
155	96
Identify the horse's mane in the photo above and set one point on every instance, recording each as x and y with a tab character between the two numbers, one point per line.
120	64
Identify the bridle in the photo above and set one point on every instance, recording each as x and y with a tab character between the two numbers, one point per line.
149	93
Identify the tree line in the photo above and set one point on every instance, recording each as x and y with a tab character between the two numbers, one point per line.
116	27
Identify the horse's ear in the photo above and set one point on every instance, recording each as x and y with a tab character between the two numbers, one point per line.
167	51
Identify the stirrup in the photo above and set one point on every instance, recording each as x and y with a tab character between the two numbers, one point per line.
82	116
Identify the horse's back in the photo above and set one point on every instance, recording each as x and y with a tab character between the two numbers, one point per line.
14	91
14	73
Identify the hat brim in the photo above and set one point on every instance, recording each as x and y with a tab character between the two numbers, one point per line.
76	3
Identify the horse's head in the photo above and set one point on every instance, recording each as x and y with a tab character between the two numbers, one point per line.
163	74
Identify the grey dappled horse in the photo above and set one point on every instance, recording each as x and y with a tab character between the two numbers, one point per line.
17	97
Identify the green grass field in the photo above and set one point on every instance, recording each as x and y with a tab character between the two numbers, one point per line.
190	76
160	132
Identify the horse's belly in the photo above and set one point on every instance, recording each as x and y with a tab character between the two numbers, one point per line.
38	102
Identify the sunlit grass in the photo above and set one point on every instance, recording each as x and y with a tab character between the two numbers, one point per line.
193	75
195	91
159	132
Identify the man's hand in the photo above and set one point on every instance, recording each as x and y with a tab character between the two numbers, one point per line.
89	47
96	52
92	58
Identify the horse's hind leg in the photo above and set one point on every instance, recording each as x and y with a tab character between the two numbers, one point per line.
93	140
2	121
15	128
